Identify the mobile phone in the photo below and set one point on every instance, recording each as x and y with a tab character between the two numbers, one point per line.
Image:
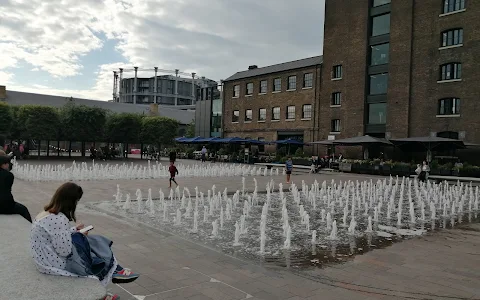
86	229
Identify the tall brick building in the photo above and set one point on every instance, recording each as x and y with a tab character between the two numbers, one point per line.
399	68
274	102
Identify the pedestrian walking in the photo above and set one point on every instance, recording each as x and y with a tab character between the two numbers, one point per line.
173	171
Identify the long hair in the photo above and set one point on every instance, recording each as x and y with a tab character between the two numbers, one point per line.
65	200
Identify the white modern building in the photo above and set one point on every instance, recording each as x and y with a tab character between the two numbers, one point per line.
174	88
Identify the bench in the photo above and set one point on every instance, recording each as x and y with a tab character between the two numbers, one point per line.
20	278
301	168
440	178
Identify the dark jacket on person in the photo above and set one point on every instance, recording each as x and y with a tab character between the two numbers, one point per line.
6	198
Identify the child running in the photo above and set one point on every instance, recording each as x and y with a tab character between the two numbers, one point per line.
173	171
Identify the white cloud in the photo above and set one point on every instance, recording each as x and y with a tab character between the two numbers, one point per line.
214	38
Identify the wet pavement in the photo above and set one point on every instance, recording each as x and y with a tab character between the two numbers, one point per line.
439	265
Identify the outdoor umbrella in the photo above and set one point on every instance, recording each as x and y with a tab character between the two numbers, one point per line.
288	142
231	140
361	141
428	143
180	139
255	142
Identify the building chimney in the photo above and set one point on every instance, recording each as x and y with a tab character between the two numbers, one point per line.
252	67
3	92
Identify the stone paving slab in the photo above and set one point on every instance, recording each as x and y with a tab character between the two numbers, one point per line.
442	264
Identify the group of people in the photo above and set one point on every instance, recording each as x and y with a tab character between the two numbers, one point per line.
57	247
422	171
103	153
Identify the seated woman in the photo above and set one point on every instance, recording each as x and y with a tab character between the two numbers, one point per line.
60	249
8	206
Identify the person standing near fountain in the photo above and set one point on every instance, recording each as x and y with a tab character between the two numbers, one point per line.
289	168
173	156
424	173
8	206
59	249
173	171
204	153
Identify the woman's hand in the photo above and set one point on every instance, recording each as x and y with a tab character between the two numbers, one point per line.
80	226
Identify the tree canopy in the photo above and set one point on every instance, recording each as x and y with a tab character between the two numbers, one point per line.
158	131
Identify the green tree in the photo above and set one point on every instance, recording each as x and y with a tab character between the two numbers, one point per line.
158	131
190	133
123	128
6	118
39	122
83	123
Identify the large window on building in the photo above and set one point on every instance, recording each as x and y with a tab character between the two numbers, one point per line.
450	71
378	84
379	54
337	72
277	84
236	91
335	125
276	113
307	111
290	112
453	5
235	116
336	98
248	115
449	106
262	114
381	25
250	88
452	37
292	83
377	113
263	87
381	2
308	80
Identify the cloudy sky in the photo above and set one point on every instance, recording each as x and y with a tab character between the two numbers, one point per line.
71	47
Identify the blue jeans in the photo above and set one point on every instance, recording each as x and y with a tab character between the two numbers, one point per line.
98	267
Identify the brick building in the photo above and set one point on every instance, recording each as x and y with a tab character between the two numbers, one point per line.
401	68
274	102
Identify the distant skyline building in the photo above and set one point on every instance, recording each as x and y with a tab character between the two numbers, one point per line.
171	88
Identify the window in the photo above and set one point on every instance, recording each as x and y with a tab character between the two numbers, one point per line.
236	91
380	2
249	88
276	113
451	71
452	37
307	111
277	84
449	106
337	72
292	82
453	5
335	125
235	116
378	84
308	80
381	25
263	87
337	98
262	114
377	113
248	115
290	112
379	54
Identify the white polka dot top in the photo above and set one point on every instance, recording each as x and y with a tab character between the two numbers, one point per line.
51	241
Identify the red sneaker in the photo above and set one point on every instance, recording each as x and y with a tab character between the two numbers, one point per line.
111	297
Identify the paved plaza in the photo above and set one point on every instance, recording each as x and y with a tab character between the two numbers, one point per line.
443	265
